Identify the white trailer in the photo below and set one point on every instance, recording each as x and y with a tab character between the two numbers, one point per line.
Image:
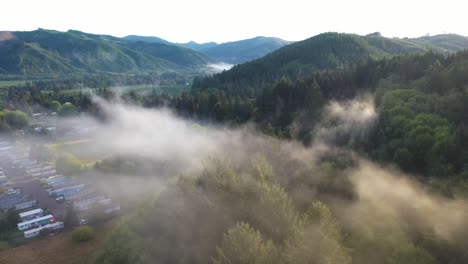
66	191
25	205
36	231
41	221
26	216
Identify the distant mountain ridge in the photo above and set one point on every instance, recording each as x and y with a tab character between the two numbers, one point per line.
444	42
326	51
245	50
45	53
234	52
147	39
198	46
48	53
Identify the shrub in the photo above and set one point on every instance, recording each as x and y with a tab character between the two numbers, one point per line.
67	164
82	234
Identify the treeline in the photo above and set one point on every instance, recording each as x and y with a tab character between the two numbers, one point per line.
70	88
324	52
422	101
254	215
259	219
104	81
11	120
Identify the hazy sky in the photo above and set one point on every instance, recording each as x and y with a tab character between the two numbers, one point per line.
220	20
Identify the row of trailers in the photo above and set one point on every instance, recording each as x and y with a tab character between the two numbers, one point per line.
34	222
83	198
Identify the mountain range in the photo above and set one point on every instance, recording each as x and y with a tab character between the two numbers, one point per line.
45	53
327	51
48	53
234	52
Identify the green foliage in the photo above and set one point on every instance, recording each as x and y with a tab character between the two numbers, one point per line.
47	53
243	244
15	119
55	106
244	50
82	234
318	239
68	164
44	232
68	109
252	210
121	247
71	217
327	51
8	222
419	138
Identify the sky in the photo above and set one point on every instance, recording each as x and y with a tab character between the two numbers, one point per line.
222	21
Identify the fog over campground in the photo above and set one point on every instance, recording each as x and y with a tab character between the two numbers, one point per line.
185	147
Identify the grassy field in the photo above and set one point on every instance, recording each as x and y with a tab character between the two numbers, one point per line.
59	248
140	89
4	84
84	149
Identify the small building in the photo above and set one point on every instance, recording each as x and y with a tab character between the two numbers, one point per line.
26	216
36	231
15	201
112	208
89	192
3	178
55	180
87	203
48	173
41	221
25	205
66	191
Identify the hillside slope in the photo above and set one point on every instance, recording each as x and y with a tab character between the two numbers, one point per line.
234	52
50	53
443	42
147	39
244	50
327	51
198	46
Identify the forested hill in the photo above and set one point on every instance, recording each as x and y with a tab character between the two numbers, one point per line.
327	51
46	53
234	52
446	42
255	212
199	46
147	39
244	50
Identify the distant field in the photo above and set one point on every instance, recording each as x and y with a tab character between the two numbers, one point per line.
143	88
4	84
59	248
84	149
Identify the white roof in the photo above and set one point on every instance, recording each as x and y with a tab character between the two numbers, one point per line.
69	188
32	212
34	230
36	220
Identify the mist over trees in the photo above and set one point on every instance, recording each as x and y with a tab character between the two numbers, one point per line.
363	160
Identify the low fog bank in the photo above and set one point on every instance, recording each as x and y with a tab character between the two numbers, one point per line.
219	67
153	153
348	120
391	194
183	147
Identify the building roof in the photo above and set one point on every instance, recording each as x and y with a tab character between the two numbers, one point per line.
69	188
34	230
8	201
32	212
39	219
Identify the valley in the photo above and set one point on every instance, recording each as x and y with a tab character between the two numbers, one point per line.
340	148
